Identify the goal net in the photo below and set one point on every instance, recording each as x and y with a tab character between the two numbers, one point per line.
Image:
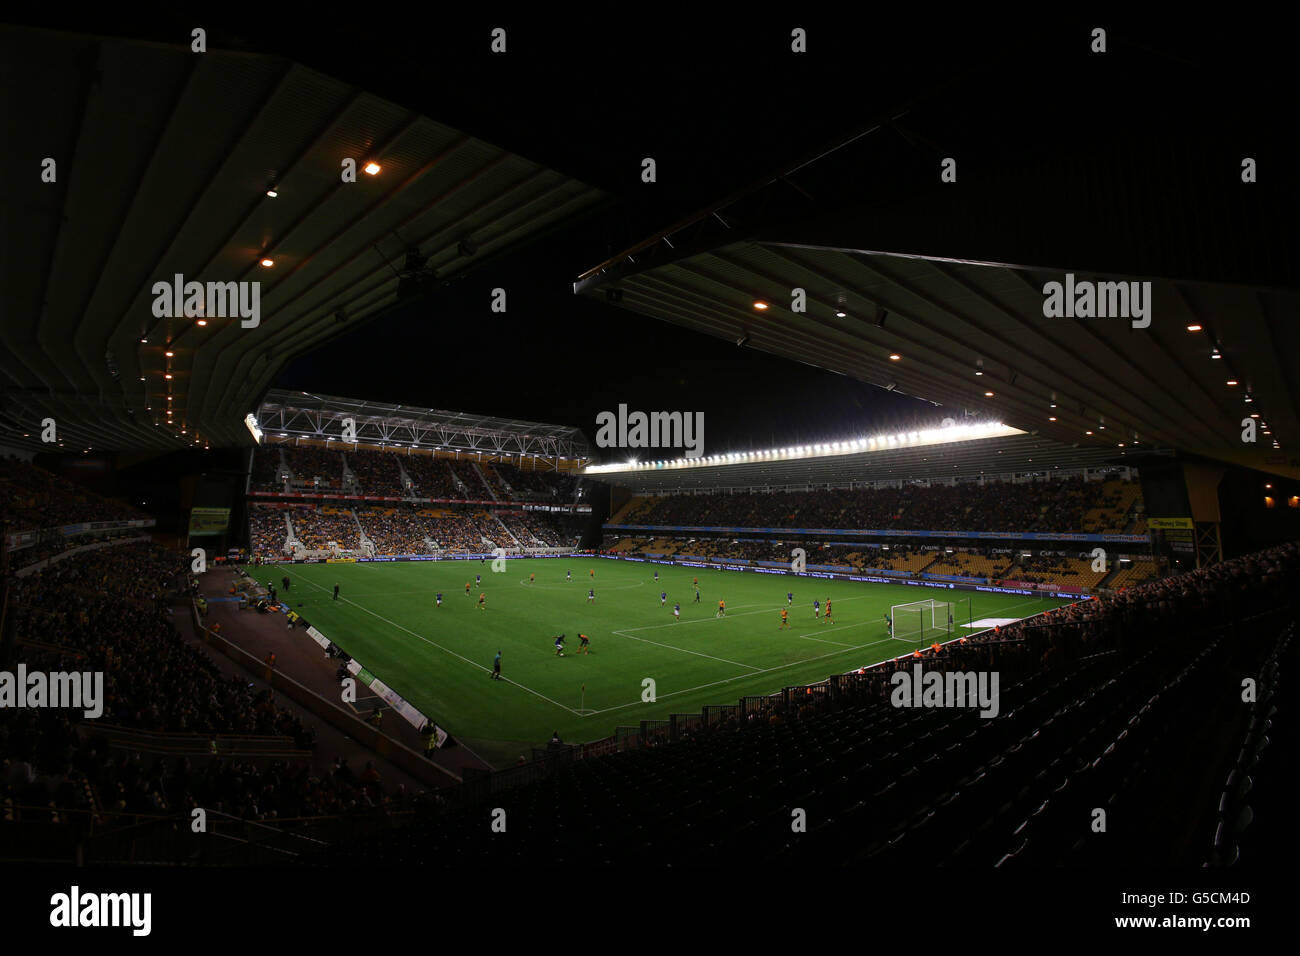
921	621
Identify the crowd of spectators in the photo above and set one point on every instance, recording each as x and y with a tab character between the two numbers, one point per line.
109	611
271	792
32	498
315	528
1219	594
405	529
377	473
543	530
380	473
310	467
432	477
976	563
266	468
493	480
395	530
471	486
1057	505
267	531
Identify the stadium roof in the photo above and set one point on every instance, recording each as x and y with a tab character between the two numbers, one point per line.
948	320
320	417
917	285
1006	455
163	160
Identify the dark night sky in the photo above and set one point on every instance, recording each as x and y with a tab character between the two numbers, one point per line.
718	103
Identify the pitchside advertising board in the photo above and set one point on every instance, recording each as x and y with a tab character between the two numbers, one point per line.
208	521
402	707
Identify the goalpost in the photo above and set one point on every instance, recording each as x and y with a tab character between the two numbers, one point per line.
922	621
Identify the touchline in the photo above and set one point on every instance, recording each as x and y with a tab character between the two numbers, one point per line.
24	688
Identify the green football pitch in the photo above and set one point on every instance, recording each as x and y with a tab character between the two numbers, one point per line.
440	658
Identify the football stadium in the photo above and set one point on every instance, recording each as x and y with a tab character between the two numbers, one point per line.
525	469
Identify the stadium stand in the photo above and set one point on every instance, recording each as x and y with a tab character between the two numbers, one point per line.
432	477
377	473
107	610
471	485
405	529
32	498
1135	573
1064	505
316	528
268	532
380	473
266	468
985	564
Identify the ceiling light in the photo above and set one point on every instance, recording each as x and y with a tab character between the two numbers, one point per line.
760	306
1232	381
168	375
267	263
894	357
372	168
272	193
203	321
988	394
169	354
1051	418
1193	328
